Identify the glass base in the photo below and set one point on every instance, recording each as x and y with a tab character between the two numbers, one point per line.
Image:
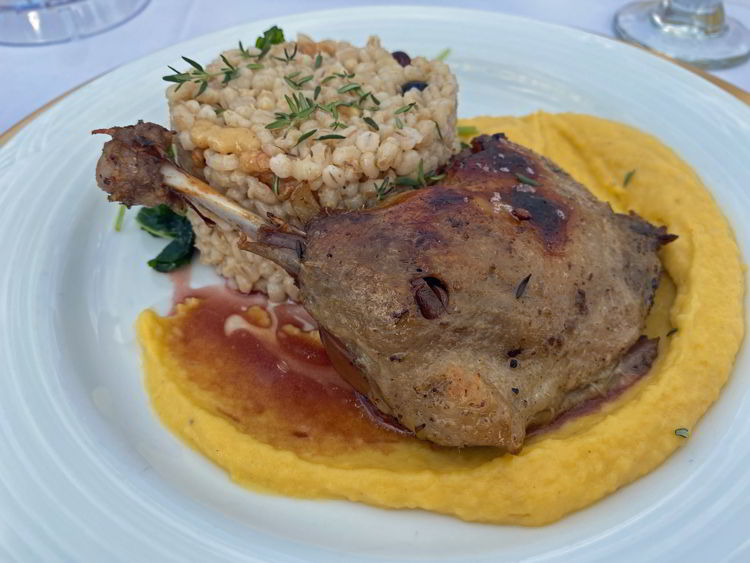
41	22
639	23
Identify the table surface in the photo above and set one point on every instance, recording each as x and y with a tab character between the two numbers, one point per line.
40	74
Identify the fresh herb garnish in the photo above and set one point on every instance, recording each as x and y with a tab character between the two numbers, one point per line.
371	122
328	137
466	130
300	109
383	189
421	180
671	332
297	84
327	79
440	133
199	75
162	222
219	111
305	135
465	145
526	179
316	93
682	432
348	88
171	153
318	61
522	286
399	123
628	176
275	184
120	217
272	36
442	55
404	109
288	58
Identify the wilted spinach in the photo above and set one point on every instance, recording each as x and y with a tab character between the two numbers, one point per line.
162	222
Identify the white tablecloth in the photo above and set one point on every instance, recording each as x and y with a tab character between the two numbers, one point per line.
39	74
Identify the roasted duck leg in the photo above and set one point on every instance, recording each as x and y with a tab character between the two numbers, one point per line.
472	311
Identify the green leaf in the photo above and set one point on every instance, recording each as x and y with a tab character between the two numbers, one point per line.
192	63
316	93
202	89
348	87
318	60
272	36
628	177
161	221
371	122
327	137
406	181
305	136
682	432
404	109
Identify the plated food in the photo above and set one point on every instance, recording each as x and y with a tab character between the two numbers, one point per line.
489	301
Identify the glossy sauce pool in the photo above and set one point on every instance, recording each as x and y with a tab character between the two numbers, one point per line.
262	366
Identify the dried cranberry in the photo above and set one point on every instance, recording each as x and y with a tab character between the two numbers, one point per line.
418	84
401	58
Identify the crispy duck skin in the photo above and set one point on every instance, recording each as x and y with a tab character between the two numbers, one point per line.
481	307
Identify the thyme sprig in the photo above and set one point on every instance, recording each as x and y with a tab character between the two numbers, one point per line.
300	108
421	180
404	109
288	58
199	75
384	188
295	83
305	135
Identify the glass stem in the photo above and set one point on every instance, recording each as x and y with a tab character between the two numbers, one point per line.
702	16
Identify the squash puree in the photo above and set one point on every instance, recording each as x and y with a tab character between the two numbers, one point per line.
304	435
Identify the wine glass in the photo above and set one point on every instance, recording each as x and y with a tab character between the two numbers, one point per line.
41	22
693	31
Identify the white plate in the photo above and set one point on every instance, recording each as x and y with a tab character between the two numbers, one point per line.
86	471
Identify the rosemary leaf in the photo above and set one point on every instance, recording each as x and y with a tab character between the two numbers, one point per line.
318	61
628	178
329	137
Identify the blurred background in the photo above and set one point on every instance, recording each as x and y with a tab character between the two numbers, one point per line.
92	37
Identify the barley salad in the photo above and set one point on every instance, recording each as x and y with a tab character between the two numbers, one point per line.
288	127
